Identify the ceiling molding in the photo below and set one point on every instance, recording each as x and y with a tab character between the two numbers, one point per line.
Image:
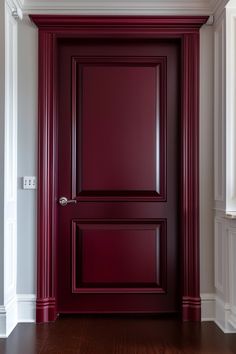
219	7
232	4
118	7
155	23
15	7
121	7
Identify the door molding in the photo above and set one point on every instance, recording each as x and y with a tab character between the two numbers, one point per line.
51	29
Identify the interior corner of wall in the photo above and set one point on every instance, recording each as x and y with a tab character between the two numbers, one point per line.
225	319
8	318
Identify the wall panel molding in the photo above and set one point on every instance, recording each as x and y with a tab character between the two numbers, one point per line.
223	314
219	113
232	279
225	283
219	261
15	8
20	309
230	110
8	316
225	168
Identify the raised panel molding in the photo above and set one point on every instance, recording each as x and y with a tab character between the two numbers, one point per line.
219	110
225	169
230	110
225	112
222	315
232	279
225	283
219	254
8	311
19	309
153	254
154	188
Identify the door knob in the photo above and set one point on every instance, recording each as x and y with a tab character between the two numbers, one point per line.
63	201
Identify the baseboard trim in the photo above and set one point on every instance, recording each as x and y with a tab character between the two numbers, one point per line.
22	308
208	302
224	316
19	309
46	310
26	305
223	329
191	309
8	318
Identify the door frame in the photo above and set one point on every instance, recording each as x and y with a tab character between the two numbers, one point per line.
186	30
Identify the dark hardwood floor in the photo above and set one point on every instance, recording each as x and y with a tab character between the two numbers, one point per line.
109	335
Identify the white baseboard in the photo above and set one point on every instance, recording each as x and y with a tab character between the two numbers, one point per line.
26	305
208	307
216	310
8	318
224	317
20	309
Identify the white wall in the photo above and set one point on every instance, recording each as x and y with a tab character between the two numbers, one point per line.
225	168
206	160
2	140
27	155
8	236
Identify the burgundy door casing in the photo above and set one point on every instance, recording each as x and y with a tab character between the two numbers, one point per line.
52	28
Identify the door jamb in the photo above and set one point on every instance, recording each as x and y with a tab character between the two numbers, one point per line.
51	29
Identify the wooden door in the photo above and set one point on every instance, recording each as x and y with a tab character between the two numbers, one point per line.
118	158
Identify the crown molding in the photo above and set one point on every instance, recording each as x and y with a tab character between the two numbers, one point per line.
16	8
120	7
158	23
117	7
232	4
219	7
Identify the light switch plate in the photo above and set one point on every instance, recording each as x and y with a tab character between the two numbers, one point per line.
29	182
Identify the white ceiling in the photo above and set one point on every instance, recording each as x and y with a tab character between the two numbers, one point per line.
144	7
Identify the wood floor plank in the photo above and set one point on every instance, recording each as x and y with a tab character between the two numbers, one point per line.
112	335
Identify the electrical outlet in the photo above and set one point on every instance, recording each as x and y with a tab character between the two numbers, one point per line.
29	182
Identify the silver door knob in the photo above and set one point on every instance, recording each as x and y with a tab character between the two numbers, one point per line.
63	201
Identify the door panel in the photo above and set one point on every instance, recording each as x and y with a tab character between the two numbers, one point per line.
110	100
112	257
118	157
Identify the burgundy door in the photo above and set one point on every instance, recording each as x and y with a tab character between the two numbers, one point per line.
119	159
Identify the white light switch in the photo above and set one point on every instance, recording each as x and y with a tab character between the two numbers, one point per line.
29	182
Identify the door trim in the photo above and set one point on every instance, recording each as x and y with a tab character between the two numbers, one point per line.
184	29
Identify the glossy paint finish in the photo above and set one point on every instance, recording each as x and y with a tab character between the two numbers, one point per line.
123	99
115	163
51	29
118	105
122	254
